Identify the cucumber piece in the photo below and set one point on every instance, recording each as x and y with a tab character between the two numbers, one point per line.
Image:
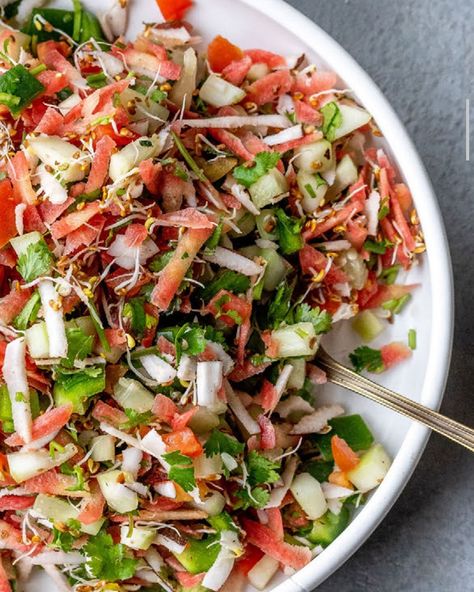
21	243
352	118
346	175
276	269
266	224
62	156
296	341
132	154
141	538
264	191
37	340
246	223
199	555
315	158
308	493
57	510
118	497
371	470
298	374
218	92
103	448
352	429
367	325
328	527
313	188
131	394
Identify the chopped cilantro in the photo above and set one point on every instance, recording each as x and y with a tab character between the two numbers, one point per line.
226	279
35	261
378	247
135	311
136	419
108	561
29	313
218	442
289	232
280	305
367	358
332	120
181	470
320	319
160	262
255	498
261	469
263	162
79	345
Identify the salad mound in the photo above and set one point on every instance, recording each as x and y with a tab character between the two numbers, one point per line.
179	230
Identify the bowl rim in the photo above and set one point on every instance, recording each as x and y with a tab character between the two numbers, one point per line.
440	271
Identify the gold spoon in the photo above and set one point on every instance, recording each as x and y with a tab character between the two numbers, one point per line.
342	376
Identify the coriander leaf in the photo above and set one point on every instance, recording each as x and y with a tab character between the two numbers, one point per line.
332	120
181	470
135	311
62	540
79	345
280	305
219	442
136	419
320	319
263	162
261	469
160	261
378	247
366	358
226	279
35	261
29	313
289	232
108	561
256	498
21	86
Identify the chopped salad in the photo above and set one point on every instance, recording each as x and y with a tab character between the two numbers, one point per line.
179	230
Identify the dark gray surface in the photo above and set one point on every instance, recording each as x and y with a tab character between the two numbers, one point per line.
421	55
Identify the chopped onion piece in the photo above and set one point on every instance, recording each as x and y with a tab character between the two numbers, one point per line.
58	558
208	384
371	210
235	121
219	571
292	133
166	489
24	465
240	412
53	189
131	459
158	369
14	373
316	421
53	316
187	368
232	260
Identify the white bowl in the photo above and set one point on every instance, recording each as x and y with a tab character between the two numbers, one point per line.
273	25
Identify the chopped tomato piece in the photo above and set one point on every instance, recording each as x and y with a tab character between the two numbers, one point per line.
270	87
261	56
164	408
75	220
100	165
251	556
221	52
236	71
108	414
183	440
174	9
16	502
12	304
344	457
8	203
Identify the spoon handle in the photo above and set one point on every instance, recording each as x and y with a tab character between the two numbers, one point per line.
342	376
